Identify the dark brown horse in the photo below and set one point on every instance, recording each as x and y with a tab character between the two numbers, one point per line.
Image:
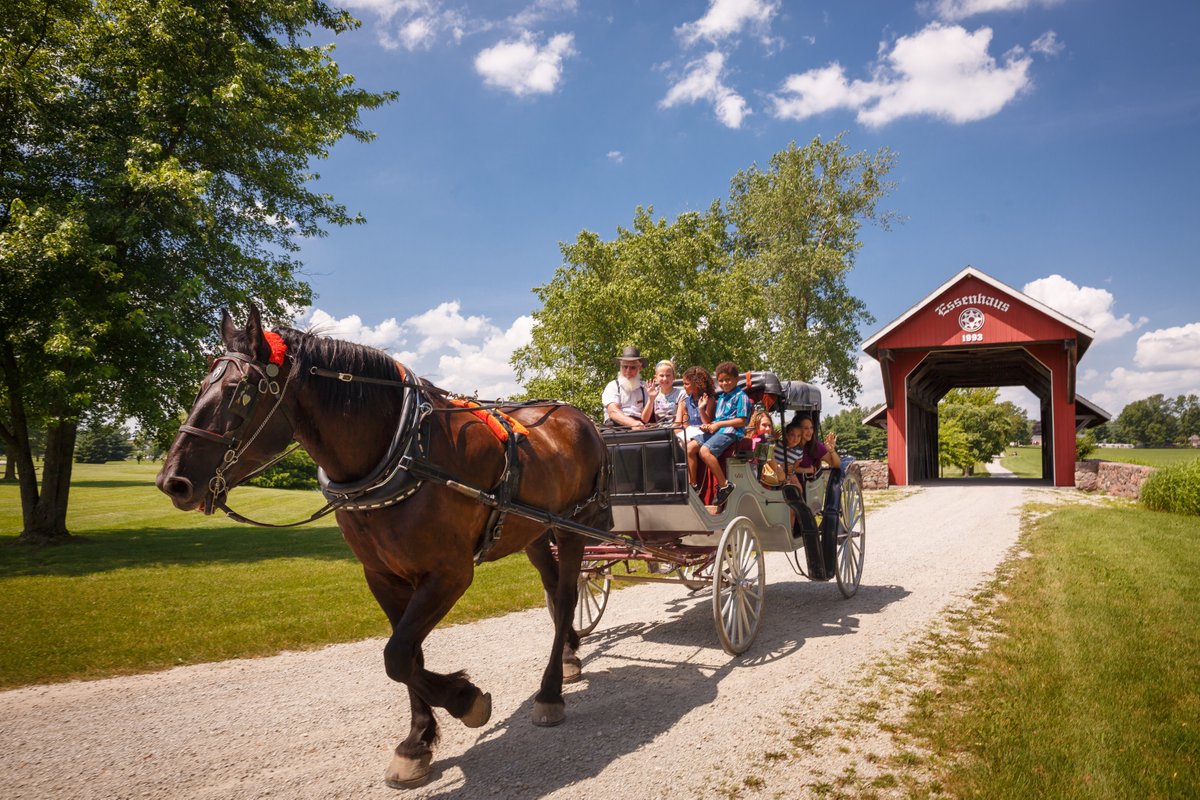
399	460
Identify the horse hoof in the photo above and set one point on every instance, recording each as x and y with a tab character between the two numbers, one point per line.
572	669
547	715
406	772
479	713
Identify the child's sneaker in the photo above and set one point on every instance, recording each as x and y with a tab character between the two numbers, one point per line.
723	493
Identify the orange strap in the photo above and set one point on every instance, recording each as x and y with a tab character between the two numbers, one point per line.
491	417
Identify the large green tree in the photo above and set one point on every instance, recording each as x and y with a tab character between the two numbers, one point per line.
988	425
954	447
761	283
659	286
797	236
154	166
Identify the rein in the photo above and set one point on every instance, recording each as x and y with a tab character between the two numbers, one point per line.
404	457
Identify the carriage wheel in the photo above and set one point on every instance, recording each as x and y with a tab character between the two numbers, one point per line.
852	535
739	586
595	583
693	576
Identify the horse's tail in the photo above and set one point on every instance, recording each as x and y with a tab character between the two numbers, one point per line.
596	510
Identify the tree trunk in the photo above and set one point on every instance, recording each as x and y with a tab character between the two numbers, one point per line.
46	521
44	513
10	469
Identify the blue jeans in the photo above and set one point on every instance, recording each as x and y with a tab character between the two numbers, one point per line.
718	441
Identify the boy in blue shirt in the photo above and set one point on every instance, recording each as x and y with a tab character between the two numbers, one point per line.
733	409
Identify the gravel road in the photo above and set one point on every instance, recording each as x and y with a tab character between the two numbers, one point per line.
662	711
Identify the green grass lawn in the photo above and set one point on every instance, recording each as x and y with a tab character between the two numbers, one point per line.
1091	688
1027	463
148	587
1149	457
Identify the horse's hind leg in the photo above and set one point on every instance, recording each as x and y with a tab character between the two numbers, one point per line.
548	706
542	558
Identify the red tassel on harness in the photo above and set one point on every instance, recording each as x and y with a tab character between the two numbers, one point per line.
491	419
278	347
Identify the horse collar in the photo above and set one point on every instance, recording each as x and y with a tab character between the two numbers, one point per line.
391	481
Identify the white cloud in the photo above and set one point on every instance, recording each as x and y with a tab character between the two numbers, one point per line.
703	82
524	67
1093	307
418	33
942	71
1166	361
485	368
1169	348
539	11
954	10
727	18
1047	44
871	396
1021	398
387	335
387	9
1123	386
465	354
616	156
819	90
411	24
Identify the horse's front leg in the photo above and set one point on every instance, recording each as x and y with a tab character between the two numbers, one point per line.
413	613
548	706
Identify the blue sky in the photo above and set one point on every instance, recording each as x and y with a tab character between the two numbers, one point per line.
1053	144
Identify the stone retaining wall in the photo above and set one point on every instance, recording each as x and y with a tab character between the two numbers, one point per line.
1111	477
874	474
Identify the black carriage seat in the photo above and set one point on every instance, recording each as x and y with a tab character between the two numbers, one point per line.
649	466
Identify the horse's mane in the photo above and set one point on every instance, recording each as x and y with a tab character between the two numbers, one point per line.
310	349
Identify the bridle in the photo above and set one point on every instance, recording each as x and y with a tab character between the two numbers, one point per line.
243	403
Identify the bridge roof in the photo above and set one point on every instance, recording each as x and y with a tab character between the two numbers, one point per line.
1040	321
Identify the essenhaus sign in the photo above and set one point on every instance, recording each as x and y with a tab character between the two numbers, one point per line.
985	300
974	331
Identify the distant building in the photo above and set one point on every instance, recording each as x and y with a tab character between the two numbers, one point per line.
1194	440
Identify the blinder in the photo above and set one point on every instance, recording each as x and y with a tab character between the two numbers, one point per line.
258	379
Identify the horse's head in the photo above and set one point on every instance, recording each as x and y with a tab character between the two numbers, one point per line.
239	420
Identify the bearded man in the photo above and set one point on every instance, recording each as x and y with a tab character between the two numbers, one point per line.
625	397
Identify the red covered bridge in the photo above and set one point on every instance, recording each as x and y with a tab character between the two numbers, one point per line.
975	331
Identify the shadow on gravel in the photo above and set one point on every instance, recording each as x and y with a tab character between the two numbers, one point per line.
624	703
796	611
604	723
984	481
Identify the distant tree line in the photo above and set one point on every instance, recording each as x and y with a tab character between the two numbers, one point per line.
1155	421
853	437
